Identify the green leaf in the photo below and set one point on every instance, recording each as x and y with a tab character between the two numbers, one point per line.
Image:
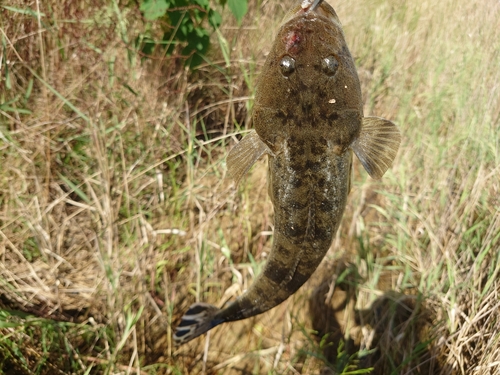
17	110
9	324
146	44
214	18
6	106
154	9
75	188
239	8
23	11
224	47
8	84
202	3
29	89
198	42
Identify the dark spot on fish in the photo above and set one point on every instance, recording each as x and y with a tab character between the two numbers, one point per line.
187	322
333	116
293	231
284	251
296	282
287	119
321	182
319	148
312	165
306	108
323	234
296	141
296	182
276	272
322	141
298	146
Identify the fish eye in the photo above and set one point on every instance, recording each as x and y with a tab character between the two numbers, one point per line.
330	65
287	65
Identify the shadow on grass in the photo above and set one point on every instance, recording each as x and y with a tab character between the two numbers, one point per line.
393	335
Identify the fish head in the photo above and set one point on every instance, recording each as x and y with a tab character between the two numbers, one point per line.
309	79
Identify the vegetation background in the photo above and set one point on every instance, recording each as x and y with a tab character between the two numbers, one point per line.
115	213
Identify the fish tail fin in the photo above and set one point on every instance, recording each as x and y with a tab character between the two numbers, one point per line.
199	319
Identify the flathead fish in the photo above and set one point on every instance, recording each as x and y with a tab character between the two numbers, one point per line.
308	118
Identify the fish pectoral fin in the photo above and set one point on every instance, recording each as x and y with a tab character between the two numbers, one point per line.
245	154
377	145
199	319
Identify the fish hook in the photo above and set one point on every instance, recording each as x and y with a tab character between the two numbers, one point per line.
314	5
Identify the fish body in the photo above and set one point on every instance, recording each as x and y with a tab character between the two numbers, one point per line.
308	118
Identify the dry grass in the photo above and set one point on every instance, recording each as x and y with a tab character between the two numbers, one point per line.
115	213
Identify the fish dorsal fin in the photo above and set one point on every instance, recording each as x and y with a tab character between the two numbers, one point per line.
377	145
245	154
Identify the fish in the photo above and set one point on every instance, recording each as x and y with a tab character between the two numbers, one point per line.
308	118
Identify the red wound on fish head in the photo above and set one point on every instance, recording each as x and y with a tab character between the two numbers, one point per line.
292	41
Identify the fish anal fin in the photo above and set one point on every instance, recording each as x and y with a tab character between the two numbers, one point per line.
200	318
377	145
245	154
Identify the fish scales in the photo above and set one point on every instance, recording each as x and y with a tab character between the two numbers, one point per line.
308	118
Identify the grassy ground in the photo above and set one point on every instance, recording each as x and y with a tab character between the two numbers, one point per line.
115	213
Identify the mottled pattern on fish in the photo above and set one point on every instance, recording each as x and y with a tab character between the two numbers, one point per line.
308	118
